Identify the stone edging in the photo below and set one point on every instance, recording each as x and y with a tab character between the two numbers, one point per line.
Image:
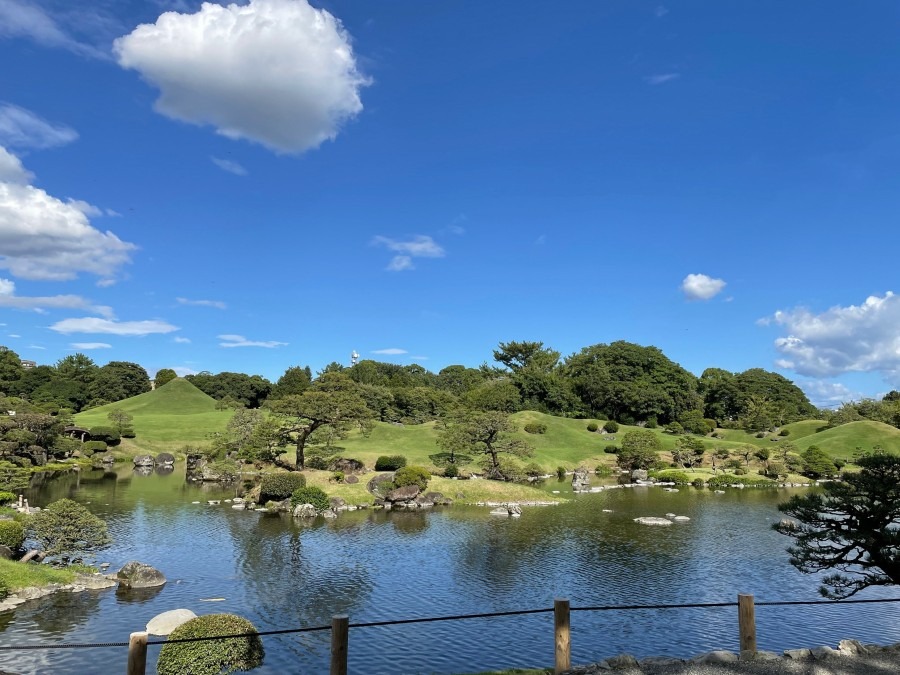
83	582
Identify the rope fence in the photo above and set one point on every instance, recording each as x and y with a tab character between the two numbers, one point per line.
340	625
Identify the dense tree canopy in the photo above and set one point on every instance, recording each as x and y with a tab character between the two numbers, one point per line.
248	390
164	376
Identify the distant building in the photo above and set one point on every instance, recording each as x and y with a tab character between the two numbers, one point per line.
28	365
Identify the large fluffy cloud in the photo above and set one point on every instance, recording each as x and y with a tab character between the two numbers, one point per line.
857	338
701	287
278	72
42	237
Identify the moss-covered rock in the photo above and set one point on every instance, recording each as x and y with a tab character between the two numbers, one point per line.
211	657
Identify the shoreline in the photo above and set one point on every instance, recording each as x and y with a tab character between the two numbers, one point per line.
81	583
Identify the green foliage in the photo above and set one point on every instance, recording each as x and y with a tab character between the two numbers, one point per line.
611	449
536	428
211	657
12	534
561	473
337	477
652	423
164	376
698	483
280	486
533	470
610	426
693	422
6	497
13	478
120	420
412	475
88	448
108	435
4	590
672	476
390	462
65	529
816	463
725	479
487	433
310	495
451	471
603	470
592	427
784	432
674	428
639	448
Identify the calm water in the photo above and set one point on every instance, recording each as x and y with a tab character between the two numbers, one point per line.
281	573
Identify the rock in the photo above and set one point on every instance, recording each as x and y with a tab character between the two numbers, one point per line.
787	524
304	511
719	656
165	623
348	466
851	648
329	513
797	654
514	509
719	492
6	553
622	661
581	479
351	479
407	493
823	652
165	458
94	581
144	460
660	661
607	510
646	520
681	519
238	500
107	459
670	515
136	574
336	502
500	511
438	499
748	655
639	474
375	486
239	507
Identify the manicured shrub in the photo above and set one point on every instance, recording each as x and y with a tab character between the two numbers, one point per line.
7	497
671	476
674	428
12	534
536	428
760	434
317	462
4	590
337	477
412	475
88	448
838	463
512	471
561	472
610	426
603	470
128	432
390	462
280	486
784	432
533	470
592	427
726	479
651	423
106	434
452	471
310	495
211	657
611	449
698	482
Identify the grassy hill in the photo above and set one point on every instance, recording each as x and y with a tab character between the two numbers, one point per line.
165	419
843	441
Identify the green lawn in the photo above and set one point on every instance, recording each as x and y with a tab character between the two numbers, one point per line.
842	441
16	575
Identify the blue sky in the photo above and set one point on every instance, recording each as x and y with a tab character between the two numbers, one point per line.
253	186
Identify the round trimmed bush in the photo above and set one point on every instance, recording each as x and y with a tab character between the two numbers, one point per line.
452	471
533	470
279	486
592	427
88	448
12	534
390	462
412	475
561	473
106	434
784	432
536	428
611	449
610	426
211	657
311	495
7	497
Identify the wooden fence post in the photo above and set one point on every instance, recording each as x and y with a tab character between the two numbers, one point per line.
340	634
561	633
137	653
747	622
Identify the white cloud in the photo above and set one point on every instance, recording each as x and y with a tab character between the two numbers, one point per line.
229	166
241	341
11	169
36	347
277	72
91	345
824	394
218	304
661	78
181	340
8	298
21	128
856	338
181	371
420	246
42	237
391	351
419	358
111	327
701	287
7	287
13	335
24	19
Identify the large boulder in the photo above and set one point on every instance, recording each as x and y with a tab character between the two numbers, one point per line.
376	485
438	499
144	460
165	623
407	493
136	574
639	474
165	458
649	520
304	511
581	480
347	466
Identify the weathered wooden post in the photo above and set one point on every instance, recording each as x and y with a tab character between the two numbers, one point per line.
137	653
747	622
340	635
561	632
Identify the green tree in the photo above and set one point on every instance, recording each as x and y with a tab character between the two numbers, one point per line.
11	371
163	376
719	456
66	529
332	401
638	450
498	395
120	419
849	526
483	432
518	356
688	452
295	380
816	462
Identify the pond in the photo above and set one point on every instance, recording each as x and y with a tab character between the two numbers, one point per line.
374	565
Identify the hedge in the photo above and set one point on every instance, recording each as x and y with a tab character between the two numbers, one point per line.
412	475
311	495
390	462
279	486
12	534
211	657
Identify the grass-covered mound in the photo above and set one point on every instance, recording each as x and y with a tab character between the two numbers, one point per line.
211	657
842	442
165	419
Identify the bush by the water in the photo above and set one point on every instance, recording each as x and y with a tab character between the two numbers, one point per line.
726	479
7	497
310	495
592	427
279	486
211	657
66	529
677	477
452	471
88	448
561	472
610	426
412	475
533	470
536	428
106	434
12	534
390	462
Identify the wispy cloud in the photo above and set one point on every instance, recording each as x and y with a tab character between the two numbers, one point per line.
390	351
218	304
8	298
660	11
420	246
229	166
419	358
36	347
91	345
19	18
110	327
241	341
21	128
701	287
181	340
661	78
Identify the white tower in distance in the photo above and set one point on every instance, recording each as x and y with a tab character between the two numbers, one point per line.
354	358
